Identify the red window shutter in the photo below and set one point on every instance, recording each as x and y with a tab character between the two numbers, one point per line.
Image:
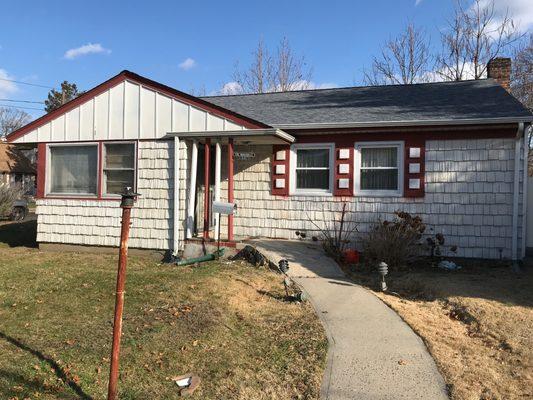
343	175
415	168
41	164
280	170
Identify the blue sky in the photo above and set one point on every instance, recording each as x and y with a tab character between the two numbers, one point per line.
192	45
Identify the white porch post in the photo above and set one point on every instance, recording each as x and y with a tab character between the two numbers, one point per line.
192	189
176	211
218	162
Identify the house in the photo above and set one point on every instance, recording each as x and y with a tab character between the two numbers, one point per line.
16	168
453	153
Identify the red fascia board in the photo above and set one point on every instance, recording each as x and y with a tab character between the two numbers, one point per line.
127	75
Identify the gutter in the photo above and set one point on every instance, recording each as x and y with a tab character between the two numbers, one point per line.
516	189
377	124
236	133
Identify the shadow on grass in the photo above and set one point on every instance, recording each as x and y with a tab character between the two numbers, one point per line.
58	370
19	234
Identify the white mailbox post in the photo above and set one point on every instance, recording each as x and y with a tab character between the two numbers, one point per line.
226	209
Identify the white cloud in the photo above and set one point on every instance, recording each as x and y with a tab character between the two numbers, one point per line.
6	87
435	76
187	64
89	48
310	85
417	2
325	85
230	88
521	11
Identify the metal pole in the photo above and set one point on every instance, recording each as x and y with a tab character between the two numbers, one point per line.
126	205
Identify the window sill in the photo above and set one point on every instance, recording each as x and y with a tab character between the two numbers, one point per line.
76	197
310	193
377	194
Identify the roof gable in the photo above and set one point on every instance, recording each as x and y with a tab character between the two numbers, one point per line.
137	106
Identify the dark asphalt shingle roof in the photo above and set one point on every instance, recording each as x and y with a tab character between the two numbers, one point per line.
442	101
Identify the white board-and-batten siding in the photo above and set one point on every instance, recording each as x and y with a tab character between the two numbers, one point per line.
127	111
97	223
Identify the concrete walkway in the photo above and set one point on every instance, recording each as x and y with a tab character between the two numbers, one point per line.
373	354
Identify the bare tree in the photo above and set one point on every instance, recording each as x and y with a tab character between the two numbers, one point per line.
474	36
281	71
258	76
289	72
522	72
403	60
12	119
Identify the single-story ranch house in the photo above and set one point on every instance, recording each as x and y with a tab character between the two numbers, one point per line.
453	153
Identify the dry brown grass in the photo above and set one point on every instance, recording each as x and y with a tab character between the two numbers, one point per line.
477	324
226	322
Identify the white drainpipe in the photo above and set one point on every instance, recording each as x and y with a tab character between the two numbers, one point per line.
516	189
192	189
527	132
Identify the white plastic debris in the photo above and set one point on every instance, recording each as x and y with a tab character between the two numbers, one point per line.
185	382
448	265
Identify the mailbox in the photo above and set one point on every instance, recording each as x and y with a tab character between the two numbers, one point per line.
224	208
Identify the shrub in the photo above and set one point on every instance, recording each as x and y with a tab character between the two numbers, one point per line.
8	194
336	233
395	242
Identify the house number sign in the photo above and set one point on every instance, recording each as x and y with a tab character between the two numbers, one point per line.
244	155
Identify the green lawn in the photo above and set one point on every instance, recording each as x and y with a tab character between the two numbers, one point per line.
226	322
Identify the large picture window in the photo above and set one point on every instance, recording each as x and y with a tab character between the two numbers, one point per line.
119	167
74	170
312	168
378	168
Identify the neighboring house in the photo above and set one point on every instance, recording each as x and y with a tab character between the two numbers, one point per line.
16	168
453	153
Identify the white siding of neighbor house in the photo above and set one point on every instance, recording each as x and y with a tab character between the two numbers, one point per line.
468	198
88	222
126	111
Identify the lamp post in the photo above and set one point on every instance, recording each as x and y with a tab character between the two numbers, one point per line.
128	197
383	270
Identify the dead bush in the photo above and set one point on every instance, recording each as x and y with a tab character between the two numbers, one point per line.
395	242
8	194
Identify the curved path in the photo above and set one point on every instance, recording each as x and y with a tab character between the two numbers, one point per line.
373	353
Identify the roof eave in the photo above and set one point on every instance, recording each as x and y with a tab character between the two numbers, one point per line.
405	123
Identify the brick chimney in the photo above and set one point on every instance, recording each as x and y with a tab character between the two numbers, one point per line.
499	69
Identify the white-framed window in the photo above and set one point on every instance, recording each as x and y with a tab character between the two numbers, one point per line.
118	168
378	169
72	169
312	167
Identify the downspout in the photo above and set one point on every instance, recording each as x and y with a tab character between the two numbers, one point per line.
516	189
176	211
527	132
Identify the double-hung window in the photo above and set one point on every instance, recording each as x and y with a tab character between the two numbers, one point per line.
378	168
311	168
118	167
73	169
